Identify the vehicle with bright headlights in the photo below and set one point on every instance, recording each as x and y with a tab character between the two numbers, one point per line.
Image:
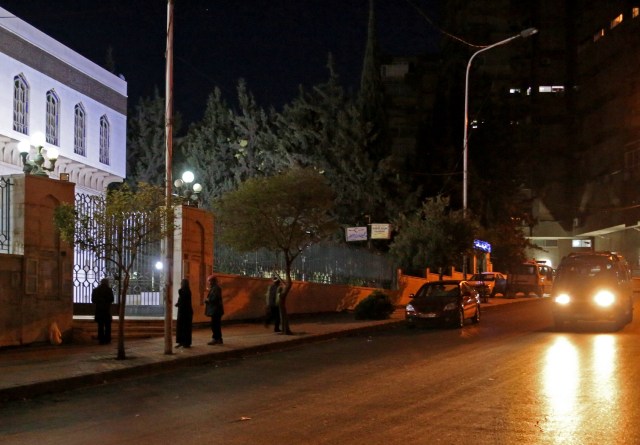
448	302
593	286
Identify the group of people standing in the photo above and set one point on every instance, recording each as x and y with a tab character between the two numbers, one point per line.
102	297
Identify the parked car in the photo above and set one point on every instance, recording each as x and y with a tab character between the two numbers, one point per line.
488	284
448	302
593	286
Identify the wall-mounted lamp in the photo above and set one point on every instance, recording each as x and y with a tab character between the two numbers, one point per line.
36	166
188	191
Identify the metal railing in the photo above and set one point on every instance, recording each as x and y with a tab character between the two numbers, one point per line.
5	215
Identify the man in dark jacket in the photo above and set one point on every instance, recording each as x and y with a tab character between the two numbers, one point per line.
273	305
214	309
102	297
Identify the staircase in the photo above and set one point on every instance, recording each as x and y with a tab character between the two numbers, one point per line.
85	330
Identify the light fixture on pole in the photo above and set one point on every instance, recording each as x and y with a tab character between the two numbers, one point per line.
465	152
524	34
36	166
190	192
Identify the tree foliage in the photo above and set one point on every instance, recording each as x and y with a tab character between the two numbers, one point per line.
121	224
146	141
434	236
284	213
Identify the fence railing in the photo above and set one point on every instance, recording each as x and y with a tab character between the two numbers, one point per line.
327	263
5	215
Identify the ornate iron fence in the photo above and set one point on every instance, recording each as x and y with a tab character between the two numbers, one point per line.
5	215
145	282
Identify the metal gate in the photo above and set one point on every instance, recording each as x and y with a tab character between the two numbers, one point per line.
144	295
5	215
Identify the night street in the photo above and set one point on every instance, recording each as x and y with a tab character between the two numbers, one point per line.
511	379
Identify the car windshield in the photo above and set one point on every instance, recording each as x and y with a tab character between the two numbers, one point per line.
483	277
439	290
591	269
525	269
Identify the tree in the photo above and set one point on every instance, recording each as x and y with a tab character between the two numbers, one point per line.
226	147
322	128
121	224
434	236
146	141
285	213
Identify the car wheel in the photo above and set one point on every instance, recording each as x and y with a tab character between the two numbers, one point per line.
476	317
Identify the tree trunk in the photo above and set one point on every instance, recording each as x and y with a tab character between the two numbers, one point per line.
123	302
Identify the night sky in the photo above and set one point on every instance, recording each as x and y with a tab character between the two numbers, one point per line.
275	45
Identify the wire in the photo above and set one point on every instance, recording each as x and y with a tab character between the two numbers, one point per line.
440	30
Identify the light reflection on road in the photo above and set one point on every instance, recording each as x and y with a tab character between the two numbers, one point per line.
580	388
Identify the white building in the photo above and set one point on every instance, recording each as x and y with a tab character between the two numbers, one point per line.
47	89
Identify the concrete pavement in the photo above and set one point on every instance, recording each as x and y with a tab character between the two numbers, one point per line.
31	371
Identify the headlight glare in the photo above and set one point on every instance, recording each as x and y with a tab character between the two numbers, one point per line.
563	299
604	298
409	308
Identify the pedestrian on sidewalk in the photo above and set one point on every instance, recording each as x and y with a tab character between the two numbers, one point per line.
102	297
214	308
273	305
185	316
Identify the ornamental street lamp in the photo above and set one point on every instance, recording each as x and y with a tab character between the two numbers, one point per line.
36	166
465	155
190	192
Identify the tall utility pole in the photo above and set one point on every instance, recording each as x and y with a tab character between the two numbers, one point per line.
168	289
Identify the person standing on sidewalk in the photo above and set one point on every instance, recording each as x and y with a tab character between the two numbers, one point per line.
102	297
273	305
214	309
185	316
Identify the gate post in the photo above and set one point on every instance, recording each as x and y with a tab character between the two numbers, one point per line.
193	254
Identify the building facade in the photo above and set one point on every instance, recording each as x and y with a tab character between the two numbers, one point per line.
78	108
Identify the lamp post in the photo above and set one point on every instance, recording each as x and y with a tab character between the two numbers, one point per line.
524	34
36	166
465	153
188	191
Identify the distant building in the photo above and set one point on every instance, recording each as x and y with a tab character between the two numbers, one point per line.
79	107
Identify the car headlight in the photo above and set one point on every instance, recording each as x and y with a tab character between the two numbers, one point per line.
604	298
409	308
563	299
451	307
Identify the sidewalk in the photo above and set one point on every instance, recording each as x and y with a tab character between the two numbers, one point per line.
35	370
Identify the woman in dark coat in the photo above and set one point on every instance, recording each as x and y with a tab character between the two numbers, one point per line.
185	316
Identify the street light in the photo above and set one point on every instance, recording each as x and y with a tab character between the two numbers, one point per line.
465	153
524	34
187	190
36	166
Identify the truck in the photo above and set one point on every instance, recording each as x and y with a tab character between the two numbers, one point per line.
530	277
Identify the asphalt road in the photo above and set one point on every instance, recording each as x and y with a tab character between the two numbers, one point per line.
512	379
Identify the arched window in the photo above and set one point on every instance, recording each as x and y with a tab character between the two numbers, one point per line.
79	130
20	104
104	139
53	118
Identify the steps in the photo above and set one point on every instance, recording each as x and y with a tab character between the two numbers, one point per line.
85	330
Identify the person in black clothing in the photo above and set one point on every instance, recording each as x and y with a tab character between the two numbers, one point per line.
273	305
102	297
185	316
215	309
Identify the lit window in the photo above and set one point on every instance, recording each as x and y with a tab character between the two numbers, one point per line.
635	12
615	22
514	91
79	130
597	36
20	104
551	89
104	140
53	118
